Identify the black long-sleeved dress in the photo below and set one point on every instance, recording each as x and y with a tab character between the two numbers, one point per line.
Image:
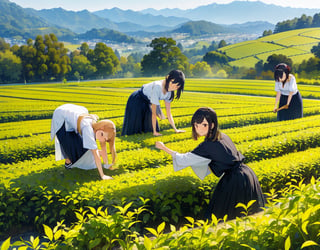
238	183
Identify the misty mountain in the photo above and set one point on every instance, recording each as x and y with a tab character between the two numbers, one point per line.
117	15
252	27
204	28
127	27
26	23
83	21
77	21
16	21
236	12
197	28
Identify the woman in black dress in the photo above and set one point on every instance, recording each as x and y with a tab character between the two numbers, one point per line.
288	96
143	105
218	155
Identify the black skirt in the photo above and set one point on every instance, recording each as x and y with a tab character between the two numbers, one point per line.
138	115
295	109
239	185
71	144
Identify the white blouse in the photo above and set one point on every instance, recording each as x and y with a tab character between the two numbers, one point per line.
68	114
198	163
290	86
154	92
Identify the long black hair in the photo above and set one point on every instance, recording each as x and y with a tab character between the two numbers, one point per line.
279	70
211	117
179	78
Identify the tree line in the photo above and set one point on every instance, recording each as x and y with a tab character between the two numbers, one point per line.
297	23
46	59
308	69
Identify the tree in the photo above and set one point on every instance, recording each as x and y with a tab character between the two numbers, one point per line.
316	20
267	33
82	65
215	58
136	57
259	67
201	69
3	45
84	49
104	59
304	22
310	65
274	60
10	67
27	54
222	43
316	50
58	62
164	57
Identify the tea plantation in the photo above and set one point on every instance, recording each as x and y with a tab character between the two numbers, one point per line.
147	205
296	44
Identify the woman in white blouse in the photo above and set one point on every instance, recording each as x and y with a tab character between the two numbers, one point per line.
75	132
218	155
141	109
288	96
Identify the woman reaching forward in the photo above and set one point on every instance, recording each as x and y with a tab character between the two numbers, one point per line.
141	110
288	96
75	132
218	155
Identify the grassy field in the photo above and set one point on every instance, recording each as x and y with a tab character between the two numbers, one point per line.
295	44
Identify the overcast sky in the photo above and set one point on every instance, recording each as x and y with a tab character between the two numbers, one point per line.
93	5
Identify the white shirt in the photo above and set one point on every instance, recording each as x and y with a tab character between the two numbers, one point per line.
68	114
154	92
290	86
198	163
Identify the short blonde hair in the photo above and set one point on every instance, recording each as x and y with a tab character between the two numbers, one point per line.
105	125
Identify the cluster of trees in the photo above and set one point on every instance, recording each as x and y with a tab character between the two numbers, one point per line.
46	59
298	23
307	69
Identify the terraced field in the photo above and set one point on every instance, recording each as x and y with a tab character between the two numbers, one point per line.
295	44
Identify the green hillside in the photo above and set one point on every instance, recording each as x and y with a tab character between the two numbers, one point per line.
295	44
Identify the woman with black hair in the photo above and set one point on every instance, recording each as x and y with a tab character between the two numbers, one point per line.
218	155
141	110
288	96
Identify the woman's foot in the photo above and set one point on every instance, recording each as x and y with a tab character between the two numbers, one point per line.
68	164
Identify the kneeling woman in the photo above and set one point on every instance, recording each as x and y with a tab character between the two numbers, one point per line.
218	155
75	132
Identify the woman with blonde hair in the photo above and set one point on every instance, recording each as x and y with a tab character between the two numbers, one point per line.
75	132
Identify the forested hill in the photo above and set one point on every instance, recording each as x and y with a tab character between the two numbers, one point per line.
9	23
15	21
106	34
77	21
202	27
